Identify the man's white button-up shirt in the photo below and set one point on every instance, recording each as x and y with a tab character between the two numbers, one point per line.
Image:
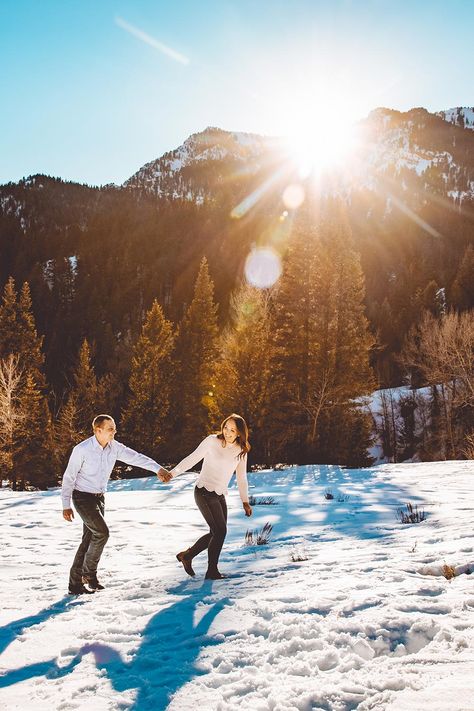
90	466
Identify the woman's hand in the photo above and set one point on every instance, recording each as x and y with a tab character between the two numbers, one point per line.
164	475
247	508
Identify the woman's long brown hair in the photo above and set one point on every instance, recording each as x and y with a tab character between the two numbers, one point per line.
242	433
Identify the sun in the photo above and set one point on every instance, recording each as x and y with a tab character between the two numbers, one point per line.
320	141
319	121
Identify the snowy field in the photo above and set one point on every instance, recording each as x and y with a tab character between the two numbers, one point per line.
367	621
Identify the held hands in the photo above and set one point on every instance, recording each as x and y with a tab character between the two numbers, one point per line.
247	508
68	514
164	475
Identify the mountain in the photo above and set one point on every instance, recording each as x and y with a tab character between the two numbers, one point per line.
413	151
459	116
418	152
96	258
197	169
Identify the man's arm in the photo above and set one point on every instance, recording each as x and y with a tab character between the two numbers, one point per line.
69	479
136	459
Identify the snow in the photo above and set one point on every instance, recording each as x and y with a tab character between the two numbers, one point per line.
454	116
395	151
175	165
214	153
10	206
367	621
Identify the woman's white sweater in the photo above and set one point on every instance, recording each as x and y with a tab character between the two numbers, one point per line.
218	466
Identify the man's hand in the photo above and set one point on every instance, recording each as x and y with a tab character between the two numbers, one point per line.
164	475
247	508
68	514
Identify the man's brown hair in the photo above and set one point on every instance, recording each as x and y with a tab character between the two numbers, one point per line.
99	420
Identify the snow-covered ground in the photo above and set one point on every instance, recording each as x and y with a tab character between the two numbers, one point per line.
365	622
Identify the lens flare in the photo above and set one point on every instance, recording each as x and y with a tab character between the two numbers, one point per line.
251	200
262	268
148	39
293	196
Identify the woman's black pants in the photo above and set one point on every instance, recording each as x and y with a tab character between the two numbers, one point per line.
214	509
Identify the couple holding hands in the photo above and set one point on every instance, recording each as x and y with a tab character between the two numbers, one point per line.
89	469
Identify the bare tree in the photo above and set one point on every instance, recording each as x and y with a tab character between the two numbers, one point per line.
389	428
469	446
13	414
442	352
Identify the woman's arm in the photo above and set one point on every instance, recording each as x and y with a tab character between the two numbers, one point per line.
188	462
242	483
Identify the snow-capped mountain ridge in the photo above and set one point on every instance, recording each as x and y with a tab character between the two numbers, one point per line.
417	149
417	144
169	176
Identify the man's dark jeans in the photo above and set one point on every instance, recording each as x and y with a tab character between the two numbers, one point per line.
214	509
94	537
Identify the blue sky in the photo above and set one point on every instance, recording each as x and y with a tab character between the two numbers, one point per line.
93	90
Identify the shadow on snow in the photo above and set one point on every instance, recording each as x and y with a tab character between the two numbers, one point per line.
172	640
369	512
165	660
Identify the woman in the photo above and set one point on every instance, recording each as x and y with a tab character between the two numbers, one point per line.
222	454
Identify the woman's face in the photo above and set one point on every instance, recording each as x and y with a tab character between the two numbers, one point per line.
230	431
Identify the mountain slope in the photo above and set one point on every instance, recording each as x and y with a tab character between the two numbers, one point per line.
197	169
459	116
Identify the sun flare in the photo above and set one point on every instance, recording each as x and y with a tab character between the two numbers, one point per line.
318	144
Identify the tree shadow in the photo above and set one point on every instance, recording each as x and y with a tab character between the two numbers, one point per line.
165	659
366	513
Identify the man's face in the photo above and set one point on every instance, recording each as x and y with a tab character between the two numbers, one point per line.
106	432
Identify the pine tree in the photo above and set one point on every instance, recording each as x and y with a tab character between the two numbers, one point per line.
340	341
431	298
408	439
31	455
290	336
18	331
33	461
67	432
244	372
86	399
353	436
322	343
146	420
462	290
436	447
197	352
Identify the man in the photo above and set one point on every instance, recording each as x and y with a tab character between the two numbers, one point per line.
85	481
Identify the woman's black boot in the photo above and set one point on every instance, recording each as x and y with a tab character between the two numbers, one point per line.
214	575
